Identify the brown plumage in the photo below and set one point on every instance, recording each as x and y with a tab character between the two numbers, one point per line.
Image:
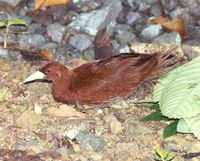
101	82
102	45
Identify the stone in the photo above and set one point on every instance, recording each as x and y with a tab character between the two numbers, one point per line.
116	127
13	3
172	38
80	42
132	18
55	31
29	120
135	129
89	141
124	49
4	53
156	9
193	6
131	148
36	28
125	36
74	127
93	21
32	40
142	4
151	31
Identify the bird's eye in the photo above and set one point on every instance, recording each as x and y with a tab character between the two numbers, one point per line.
48	71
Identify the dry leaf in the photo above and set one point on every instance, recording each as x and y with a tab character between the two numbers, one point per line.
103	45
65	112
159	20
174	25
47	3
182	51
46	55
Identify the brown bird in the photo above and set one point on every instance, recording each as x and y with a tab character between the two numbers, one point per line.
104	81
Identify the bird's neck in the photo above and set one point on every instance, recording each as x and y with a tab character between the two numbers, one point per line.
61	91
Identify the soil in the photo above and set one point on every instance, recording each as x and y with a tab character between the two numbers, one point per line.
32	129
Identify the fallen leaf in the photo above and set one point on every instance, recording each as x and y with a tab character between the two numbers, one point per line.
45	54
46	3
103	46
175	25
159	20
65	111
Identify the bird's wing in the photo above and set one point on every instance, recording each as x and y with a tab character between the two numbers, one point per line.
114	77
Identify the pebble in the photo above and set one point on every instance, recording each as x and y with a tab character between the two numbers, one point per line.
75	126
132	17
116	127
130	148
125	36
80	42
55	31
89	22
28	119
4	53
33	40
38	109
124	49
13	3
89	141
172	38
151	31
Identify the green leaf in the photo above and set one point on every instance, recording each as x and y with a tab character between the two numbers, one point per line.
182	127
171	129
16	21
156	107
194	124
154	116
2	24
179	93
163	154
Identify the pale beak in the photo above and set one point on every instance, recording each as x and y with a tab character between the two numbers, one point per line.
35	76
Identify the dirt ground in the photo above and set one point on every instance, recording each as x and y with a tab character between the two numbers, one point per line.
35	127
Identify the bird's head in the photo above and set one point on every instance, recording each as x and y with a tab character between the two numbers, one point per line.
54	72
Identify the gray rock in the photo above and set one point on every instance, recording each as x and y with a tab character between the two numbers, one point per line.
55	31
193	6
173	38
4	53
170	4
156	10
13	3
87	4
80	42
132	17
151	31
37	28
93	21
32	40
89	54
124	49
142	4
89	141
50	47
125	36
179	12
135	129
184	13
74	127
